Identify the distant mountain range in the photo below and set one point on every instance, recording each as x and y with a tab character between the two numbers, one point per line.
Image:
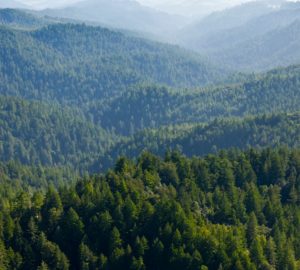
253	36
16	18
123	14
248	37
242	38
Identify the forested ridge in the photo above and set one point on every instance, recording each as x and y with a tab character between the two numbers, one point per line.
257	35
22	20
41	134
89	106
74	64
151	106
234	210
201	139
17	177
52	134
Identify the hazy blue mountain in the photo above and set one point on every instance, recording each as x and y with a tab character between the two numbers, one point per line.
124	14
227	36
20	19
279	47
226	19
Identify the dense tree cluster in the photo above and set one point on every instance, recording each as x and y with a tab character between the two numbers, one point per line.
76	63
234	210
36	133
16	176
201	139
152	106
20	19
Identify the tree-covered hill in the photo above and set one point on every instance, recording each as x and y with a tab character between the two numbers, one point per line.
151	107
254	36
69	136
235	210
202	139
76	99
16	177
35	133
117	86
125	14
278	47
20	19
76	63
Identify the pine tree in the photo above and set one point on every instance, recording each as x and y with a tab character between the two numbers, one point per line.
271	252
251	230
88	261
115	240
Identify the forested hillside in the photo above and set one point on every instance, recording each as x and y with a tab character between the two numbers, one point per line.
275	48
77	63
124	14
202	139
236	210
35	133
17	178
51	135
259	35
20	19
149	107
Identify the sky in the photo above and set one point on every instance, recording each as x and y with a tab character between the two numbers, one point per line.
191	6
187	7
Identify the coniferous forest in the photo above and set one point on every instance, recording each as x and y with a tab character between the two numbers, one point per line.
233	210
120	149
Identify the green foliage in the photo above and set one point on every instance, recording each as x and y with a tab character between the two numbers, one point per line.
36	133
153	106
80	64
99	86
200	213
201	139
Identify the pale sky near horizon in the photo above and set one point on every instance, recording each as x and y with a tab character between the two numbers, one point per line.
172	6
182	7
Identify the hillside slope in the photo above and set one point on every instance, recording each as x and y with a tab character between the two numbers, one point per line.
20	19
36	133
76	64
229	211
202	139
152	106
248	42
124	14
